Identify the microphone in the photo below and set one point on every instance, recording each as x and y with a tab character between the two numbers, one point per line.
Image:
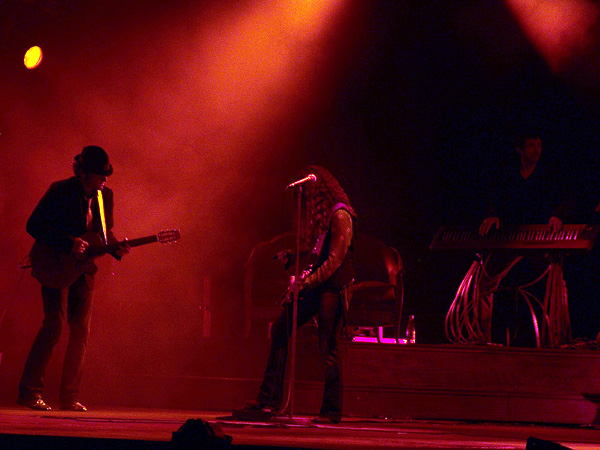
309	177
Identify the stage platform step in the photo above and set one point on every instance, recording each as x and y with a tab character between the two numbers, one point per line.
446	382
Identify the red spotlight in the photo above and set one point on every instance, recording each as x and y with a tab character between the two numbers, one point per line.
33	57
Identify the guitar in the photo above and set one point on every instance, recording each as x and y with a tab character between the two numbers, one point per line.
313	257
288	296
58	270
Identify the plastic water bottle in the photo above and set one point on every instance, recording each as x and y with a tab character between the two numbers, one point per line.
411	332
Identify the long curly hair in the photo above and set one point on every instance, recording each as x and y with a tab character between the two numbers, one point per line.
319	198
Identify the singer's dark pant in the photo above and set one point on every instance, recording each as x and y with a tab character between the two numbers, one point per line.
74	306
327	305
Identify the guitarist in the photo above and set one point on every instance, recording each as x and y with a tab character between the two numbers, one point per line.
327	229
67	210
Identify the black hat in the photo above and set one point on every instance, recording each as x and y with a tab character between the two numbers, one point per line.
93	159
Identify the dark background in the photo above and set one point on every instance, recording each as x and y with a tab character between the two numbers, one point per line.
411	104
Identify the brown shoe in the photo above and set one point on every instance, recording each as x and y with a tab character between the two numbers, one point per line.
35	403
75	406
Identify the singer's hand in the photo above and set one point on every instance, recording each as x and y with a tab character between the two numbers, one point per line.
301	285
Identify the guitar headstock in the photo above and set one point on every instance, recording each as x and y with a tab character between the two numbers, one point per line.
167	236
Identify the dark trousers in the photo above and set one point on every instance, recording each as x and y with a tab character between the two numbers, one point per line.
328	308
74	306
512	322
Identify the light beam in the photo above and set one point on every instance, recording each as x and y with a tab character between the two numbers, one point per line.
563	31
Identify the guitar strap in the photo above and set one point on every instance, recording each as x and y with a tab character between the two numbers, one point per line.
102	218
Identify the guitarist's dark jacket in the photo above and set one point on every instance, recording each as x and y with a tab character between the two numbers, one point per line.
60	216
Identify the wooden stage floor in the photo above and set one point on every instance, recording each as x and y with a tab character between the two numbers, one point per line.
152	429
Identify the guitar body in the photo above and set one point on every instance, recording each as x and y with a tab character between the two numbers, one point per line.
58	270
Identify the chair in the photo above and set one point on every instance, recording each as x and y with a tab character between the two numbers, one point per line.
376	297
374	300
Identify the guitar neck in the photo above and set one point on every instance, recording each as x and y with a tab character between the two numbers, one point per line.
110	248
140	241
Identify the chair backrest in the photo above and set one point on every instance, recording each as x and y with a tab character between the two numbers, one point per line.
375	261
265	278
376	298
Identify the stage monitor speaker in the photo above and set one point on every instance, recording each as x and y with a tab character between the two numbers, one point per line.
540	444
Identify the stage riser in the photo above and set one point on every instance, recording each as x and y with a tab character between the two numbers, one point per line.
472	383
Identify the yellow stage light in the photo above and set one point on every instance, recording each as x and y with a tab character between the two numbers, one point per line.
33	57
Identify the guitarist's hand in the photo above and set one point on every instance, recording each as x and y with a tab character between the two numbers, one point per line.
79	247
123	249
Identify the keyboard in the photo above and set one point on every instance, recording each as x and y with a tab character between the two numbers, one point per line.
572	237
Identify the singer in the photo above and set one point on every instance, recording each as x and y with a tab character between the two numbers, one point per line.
327	231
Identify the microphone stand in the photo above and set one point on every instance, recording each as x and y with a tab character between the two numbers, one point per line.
292	343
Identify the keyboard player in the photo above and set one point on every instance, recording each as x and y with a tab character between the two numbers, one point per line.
527	192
